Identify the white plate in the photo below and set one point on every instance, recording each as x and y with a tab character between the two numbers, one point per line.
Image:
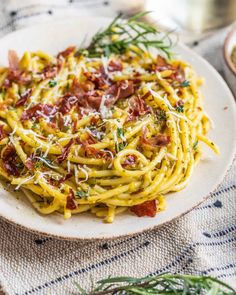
219	103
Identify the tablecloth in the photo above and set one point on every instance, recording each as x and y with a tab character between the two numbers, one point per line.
201	242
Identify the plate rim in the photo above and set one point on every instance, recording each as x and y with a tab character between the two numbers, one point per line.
151	227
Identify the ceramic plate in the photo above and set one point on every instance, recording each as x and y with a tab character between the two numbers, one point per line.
219	104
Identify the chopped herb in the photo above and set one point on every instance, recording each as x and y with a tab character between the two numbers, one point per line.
34	125
38	164
180	108
52	83
81	194
19	165
161	115
186	83
195	145
92	127
120	132
3	92
120	146
65	128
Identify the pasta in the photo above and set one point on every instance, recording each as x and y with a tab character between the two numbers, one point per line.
100	134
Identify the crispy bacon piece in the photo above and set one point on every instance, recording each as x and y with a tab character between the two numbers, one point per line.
99	78
3	133
148	208
65	151
94	99
122	89
38	111
23	98
49	72
162	65
16	76
13	60
9	157
29	163
64	178
137	107
66	52
66	103
129	161
95	153
155	141
178	75
70	201
115	65
86	141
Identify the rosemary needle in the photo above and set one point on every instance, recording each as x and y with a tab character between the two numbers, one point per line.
122	35
160	285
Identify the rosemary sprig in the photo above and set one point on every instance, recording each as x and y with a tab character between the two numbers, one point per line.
130	34
162	284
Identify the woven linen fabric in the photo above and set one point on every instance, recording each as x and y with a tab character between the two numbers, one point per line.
201	242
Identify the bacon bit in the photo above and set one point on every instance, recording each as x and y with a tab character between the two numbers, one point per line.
155	141
162	65
94	120
122	89
9	157
64	178
16	76
93	152
70	201
99	78
138	107
65	151
94	99
86	141
38	111
49	72
13	60
29	164
179	103
74	126
66	52
24	98
178	75
114	66
3	133
66	103
148	208
129	161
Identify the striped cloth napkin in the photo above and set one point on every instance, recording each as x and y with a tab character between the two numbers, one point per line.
201	242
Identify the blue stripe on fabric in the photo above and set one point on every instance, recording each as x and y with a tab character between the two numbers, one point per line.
189	249
218	268
218	203
86	269
226	275
220	233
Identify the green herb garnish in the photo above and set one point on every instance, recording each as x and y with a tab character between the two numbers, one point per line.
195	145
180	108
120	146
120	132
34	125
52	83
122	35
185	83
160	285
161	115
65	128
81	194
